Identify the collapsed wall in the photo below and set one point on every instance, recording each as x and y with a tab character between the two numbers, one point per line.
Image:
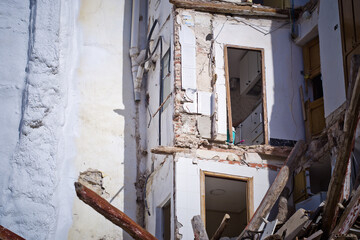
201	77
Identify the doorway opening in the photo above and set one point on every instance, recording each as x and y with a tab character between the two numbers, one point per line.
246	95
225	194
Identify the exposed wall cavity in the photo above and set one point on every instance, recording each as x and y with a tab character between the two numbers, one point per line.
200	81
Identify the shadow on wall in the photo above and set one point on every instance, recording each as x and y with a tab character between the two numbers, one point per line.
286	124
129	114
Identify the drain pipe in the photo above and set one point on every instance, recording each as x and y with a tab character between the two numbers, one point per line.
136	56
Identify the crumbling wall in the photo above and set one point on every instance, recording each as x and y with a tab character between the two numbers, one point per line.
186	70
200	102
93	179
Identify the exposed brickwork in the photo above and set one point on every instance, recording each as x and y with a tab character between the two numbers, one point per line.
184	123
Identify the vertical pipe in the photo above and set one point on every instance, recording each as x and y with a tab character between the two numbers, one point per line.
134	50
135	24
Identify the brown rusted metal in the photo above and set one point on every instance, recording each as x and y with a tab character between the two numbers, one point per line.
6	234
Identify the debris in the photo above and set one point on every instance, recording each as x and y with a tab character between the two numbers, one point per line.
269	229
276	188
93	179
314	236
199	228
111	213
342	159
349	216
294	225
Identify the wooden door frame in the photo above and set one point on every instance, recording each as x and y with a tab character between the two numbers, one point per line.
227	85
249	191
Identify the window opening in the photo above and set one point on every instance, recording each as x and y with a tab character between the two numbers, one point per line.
314	106
316	83
226	196
165	86
244	71
163	222
165	79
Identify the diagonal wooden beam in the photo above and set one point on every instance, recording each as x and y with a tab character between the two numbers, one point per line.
221	228
276	188
342	159
111	213
6	234
349	216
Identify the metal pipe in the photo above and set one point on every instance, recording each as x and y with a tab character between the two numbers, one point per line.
134	49
135	24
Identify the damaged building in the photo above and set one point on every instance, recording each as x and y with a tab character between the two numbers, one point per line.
180	108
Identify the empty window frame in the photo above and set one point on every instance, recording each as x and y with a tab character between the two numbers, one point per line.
246	99
165	86
226	194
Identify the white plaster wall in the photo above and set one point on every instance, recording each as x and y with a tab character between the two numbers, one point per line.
66	99
283	63
332	70
14	37
159	190
187	184
33	116
105	139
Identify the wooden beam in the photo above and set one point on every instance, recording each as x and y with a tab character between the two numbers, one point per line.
315	235
230	8
198	228
167	150
111	213
342	159
221	228
228	96
278	151
283	206
276	188
349	216
6	234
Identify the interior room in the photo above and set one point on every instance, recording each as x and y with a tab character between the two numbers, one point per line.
225	196
246	87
